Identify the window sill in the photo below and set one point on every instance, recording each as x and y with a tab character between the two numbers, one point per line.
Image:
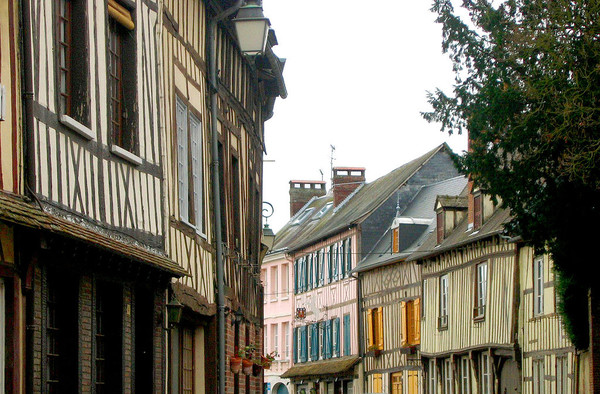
194	229
77	127
126	155
479	319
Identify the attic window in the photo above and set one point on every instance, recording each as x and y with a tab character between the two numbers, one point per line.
323	210
303	216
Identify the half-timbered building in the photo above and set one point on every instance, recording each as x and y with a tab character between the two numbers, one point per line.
469	319
325	239
12	320
550	363
90	236
390	295
205	124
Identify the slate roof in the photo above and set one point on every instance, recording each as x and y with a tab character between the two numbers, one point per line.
335	366
352	210
418	215
453	201
461	235
15	209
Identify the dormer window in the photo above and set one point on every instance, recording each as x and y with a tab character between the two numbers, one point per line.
323	210
303	216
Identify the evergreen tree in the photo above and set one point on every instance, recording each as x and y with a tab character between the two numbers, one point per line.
527	90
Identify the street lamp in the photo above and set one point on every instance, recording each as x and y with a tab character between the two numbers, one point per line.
252	28
174	311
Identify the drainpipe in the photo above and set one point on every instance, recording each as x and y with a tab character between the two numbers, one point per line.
27	96
214	119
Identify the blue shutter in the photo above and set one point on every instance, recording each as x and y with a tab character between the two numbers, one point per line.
346	335
296	277
302	275
336	337
328	339
343	258
314	344
330	278
322	340
295	344
304	342
310	272
321	267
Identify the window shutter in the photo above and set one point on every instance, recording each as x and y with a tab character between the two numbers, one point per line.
197	167
380	328
395	241
295	344
370	341
182	160
440	227
346	335
120	14
303	344
336	336
417	325
315	342
343	259
328	339
403	325
296	277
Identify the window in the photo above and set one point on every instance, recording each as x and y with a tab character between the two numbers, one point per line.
286	340
443	317
396	379
285	275
275	338
538	376
334	262
485	375
377	383
302	216
328	339
274	283
477	208
322	265
108	337
348	256
465	375
562	375
322	338
481	284
375	329
412	381
236	203
538	285
72	64
431	377
440	226
263	280
447	384
336	337
190	167
121	76
396	240
323	210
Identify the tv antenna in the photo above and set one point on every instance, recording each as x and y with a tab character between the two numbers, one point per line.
332	159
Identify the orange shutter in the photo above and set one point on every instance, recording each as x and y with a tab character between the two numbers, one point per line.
395	243
370	328
417	314
403	325
380	328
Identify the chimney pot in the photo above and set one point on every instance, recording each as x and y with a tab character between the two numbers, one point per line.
302	191
345	181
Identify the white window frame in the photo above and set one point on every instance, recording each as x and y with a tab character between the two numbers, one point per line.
431	377
481	283
562	374
274	283
538	286
285	278
447	384
275	337
443	316
189	141
286	333
485	374
465	375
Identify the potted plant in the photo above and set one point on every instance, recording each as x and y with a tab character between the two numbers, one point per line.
267	359
256	369
375	349
246	354
235	362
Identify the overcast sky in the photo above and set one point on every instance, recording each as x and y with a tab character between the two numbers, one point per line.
357	74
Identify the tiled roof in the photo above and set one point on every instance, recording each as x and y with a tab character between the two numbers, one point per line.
419	211
16	210
335	366
462	235
352	211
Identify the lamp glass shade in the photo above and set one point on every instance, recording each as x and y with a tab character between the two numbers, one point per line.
252	29
174	312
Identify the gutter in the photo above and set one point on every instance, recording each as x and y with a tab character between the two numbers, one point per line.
27	97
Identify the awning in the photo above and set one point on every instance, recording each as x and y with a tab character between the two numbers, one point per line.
337	367
16	210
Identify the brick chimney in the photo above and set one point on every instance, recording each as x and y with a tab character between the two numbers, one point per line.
345	181
302	191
